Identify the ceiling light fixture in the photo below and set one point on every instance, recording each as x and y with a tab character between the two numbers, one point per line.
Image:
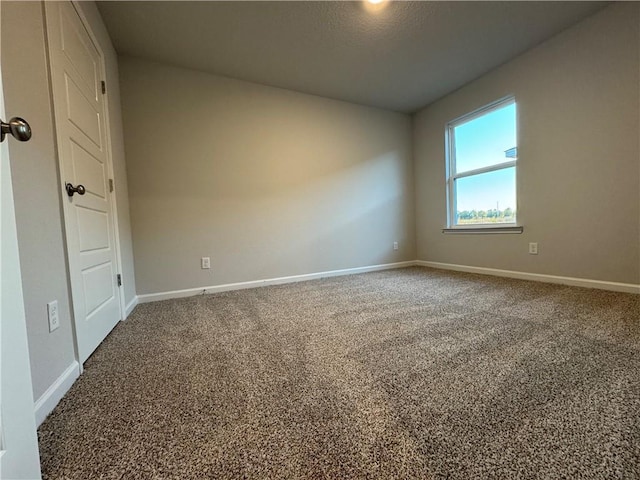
375	5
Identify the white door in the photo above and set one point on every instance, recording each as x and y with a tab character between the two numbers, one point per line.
19	458
77	70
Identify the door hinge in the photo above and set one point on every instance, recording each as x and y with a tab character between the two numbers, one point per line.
104	87
119	277
111	184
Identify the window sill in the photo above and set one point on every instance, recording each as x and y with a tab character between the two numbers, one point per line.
482	230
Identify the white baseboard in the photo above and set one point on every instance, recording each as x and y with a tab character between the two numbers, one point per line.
49	399
129	308
154	297
536	277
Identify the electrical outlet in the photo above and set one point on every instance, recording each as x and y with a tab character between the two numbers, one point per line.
52	314
533	248
205	262
395	245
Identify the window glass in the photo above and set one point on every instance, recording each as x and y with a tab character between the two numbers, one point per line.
483	154
487	198
485	140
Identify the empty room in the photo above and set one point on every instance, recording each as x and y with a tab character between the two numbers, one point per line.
320	240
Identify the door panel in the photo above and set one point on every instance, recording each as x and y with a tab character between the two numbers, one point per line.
79	54
93	227
101	275
77	68
82	113
90	170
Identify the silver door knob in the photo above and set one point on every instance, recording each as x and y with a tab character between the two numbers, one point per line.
17	127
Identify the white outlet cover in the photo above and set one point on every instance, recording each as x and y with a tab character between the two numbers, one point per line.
52	314
205	262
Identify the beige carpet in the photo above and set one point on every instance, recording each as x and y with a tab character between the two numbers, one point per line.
412	373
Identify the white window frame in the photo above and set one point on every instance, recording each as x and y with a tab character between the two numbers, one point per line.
452	175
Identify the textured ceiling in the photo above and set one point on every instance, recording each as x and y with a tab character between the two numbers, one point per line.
401	57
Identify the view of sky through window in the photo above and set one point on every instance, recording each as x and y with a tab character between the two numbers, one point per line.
485	141
487	191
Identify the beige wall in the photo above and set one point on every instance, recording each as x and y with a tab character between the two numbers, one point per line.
37	188
267	182
579	160
35	178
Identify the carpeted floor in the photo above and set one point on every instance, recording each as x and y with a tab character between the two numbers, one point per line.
412	373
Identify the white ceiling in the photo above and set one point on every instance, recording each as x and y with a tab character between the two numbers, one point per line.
401	57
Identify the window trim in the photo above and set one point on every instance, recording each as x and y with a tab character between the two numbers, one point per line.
511	227
470	229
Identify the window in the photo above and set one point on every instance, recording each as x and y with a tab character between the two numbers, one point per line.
481	174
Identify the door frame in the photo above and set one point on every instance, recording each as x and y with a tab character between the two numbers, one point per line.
76	5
